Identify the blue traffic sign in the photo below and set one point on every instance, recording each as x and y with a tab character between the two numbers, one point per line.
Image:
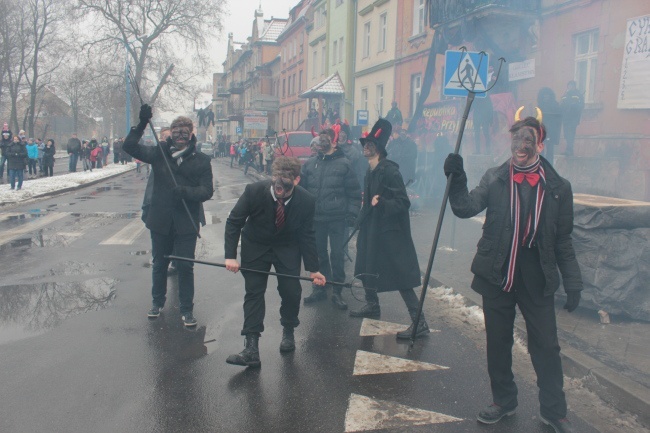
362	117
461	73
238	130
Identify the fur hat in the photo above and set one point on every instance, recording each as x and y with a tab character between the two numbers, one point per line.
379	135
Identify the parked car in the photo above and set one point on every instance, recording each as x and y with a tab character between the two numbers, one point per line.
295	143
207	149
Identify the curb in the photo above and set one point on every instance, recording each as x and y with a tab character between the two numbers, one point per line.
614	388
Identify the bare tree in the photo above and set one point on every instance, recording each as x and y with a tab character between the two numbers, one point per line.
159	37
15	48
43	18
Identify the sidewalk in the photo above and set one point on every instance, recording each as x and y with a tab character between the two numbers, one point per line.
615	357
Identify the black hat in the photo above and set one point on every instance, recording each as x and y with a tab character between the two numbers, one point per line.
379	135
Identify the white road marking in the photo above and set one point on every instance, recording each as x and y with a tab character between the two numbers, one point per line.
373	363
127	235
372	328
32	225
366	414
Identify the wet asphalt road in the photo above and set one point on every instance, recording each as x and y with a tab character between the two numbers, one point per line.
78	353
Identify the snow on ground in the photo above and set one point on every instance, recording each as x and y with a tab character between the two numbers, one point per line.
48	185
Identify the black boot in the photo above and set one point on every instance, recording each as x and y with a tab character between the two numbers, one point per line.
371	310
422	331
288	343
317	295
250	356
338	301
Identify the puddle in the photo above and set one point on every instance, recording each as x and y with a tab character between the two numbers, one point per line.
76	268
27	310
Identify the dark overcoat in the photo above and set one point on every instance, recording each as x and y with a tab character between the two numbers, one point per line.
16	154
385	246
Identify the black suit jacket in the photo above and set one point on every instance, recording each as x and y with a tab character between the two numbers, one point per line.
253	217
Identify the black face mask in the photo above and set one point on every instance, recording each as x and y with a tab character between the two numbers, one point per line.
282	187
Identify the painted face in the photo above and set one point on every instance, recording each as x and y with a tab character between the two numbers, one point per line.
283	186
324	143
524	147
370	150
343	137
181	136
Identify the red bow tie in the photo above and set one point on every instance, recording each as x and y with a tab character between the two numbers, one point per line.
532	178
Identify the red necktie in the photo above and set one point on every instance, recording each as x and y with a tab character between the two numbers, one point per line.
532	178
279	214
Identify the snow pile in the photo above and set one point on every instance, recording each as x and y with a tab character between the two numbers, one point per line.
48	185
456	304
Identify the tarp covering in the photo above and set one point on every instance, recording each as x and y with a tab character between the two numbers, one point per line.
611	242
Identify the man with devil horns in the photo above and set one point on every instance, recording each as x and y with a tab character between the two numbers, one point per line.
526	238
386	257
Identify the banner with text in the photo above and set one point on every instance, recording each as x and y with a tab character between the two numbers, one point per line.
634	91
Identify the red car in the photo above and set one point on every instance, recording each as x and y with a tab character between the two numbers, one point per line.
295	143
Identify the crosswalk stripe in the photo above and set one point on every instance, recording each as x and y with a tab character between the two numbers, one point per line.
366	363
365	413
127	235
373	328
36	224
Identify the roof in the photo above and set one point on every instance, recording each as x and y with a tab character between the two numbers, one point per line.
272	29
332	85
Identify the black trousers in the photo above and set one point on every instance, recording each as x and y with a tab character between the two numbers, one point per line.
332	260
543	346
255	285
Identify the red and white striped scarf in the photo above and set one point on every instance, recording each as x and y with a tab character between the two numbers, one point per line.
537	181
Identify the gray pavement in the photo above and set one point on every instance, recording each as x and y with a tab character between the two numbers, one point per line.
614	357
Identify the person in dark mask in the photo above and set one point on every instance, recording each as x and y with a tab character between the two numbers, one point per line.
274	219
173	229
526	238
329	177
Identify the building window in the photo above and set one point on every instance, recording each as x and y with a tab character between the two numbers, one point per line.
319	17
418	17
284	87
339	2
323	63
379	100
299	116
293	83
366	40
416	90
364	98
341	51
314	64
586	61
282	124
295	45
335	51
383	21
284	55
300	81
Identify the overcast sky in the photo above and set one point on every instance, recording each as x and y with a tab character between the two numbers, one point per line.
240	22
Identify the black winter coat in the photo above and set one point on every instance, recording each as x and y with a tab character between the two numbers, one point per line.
331	179
193	175
74	145
554	233
16	154
48	155
385	246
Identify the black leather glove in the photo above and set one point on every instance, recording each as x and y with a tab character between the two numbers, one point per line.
454	164
572	301
146	114
179	192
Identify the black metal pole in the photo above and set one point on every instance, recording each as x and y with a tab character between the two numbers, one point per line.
221	265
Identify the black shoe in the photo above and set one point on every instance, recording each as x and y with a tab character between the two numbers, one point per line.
154	312
493	414
188	319
370	310
288	343
337	300
422	331
250	356
316	296
562	425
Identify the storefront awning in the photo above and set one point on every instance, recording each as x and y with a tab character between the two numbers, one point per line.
330	86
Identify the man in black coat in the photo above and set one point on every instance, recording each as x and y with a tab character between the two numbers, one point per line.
74	149
16	159
386	257
572	104
526	238
275	221
172	230
330	178
404	152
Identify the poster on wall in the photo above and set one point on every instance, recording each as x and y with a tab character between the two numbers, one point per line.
634	91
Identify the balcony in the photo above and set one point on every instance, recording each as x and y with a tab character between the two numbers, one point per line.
445	12
236	87
263	102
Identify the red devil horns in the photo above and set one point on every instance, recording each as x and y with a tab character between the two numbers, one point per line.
378	133
313	133
337	128
365	134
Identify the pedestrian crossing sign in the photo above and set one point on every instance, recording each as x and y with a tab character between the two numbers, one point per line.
461	71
